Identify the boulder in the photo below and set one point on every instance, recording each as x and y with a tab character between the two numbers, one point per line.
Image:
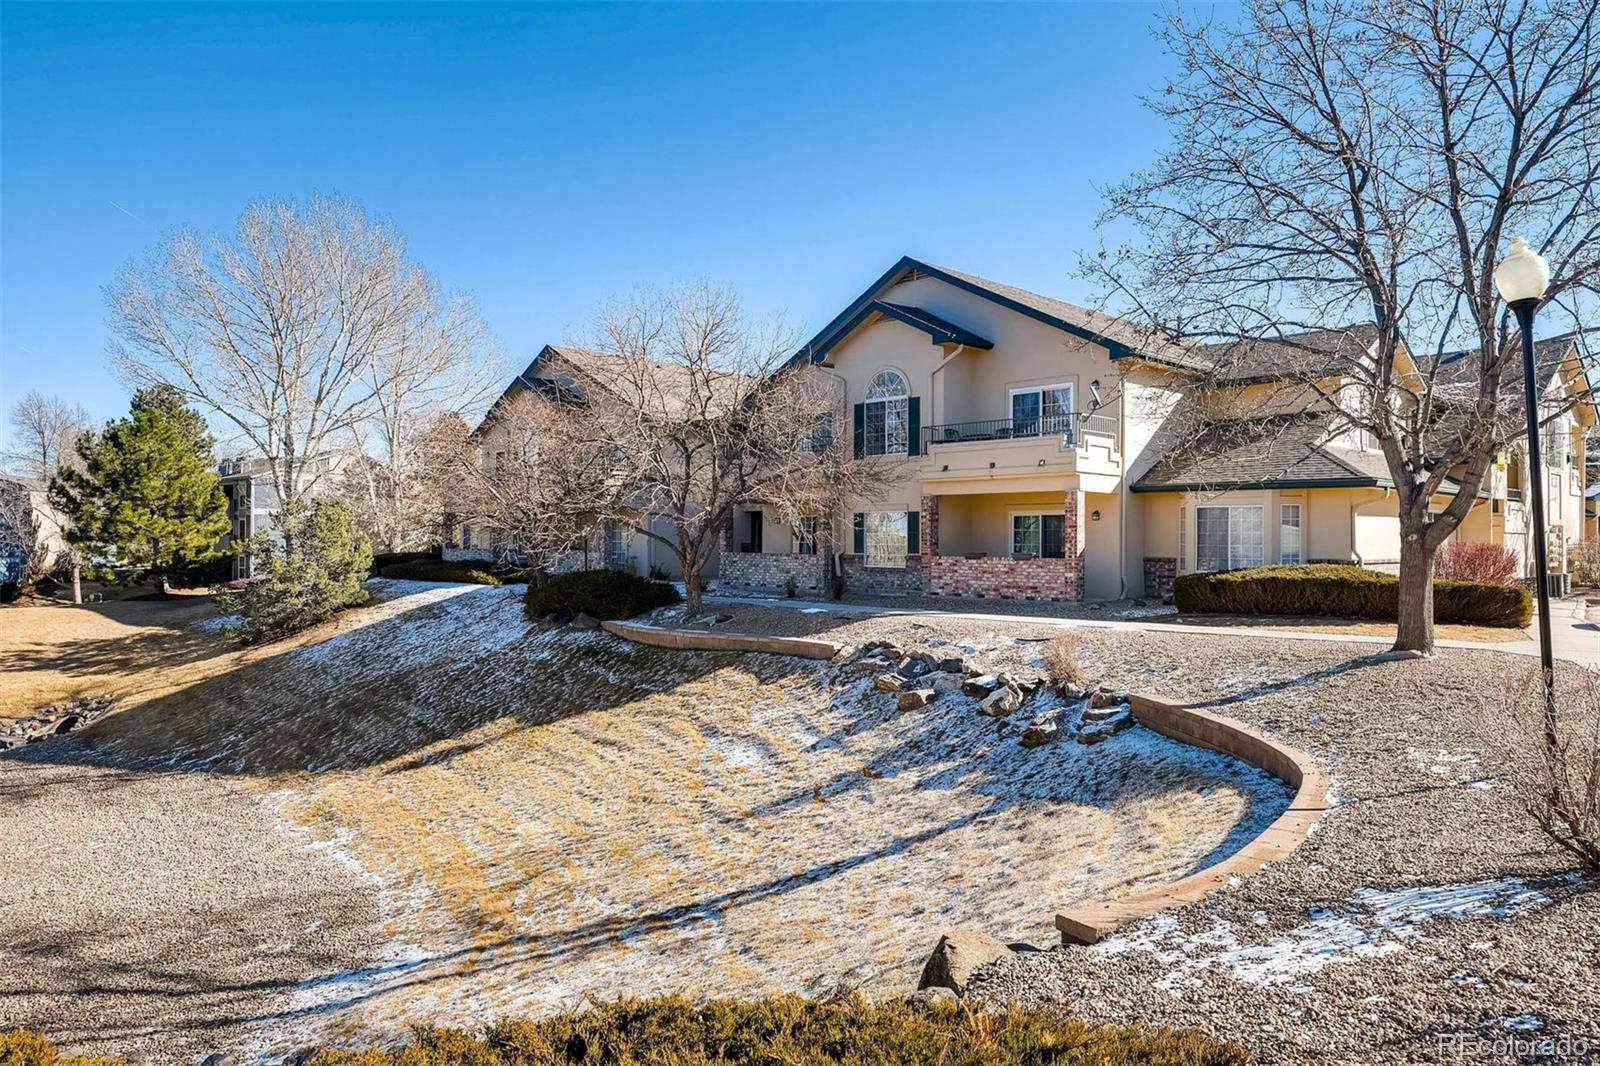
219	1058
957	955
933	999
1101	697
889	683
915	665
583	621
981	685
1042	730
1094	714
946	685
1072	690
1000	702
916	698
1095	732
956	665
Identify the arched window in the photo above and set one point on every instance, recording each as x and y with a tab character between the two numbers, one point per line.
885	414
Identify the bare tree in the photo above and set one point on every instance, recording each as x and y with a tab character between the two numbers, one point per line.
293	331
44	430
705	418
1339	162
442	365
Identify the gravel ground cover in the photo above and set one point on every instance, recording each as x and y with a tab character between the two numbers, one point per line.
1424	914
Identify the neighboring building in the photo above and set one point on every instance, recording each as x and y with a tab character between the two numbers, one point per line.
253	500
32	538
1051	453
557	372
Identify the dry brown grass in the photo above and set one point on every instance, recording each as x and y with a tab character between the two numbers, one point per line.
1061	660
132	649
1354	627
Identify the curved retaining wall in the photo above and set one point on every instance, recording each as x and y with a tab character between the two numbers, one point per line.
1089	922
691	639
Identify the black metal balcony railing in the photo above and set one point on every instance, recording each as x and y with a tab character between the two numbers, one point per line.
1070	427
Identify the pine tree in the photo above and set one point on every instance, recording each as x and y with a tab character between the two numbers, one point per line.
310	568
147	504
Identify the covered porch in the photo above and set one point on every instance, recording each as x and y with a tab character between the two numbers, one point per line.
1025	545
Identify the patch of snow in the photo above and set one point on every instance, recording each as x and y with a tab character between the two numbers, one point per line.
1465	977
218	623
813	610
1149	612
1374	923
1457	767
1523	1023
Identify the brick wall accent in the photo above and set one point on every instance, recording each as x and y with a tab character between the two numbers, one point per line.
1002	577
1159	573
930	525
476	555
771	571
910	579
1073	509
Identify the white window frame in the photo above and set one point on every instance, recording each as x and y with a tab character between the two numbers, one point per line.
1240	562
1299	528
1049	425
881	552
803	536
896	414
1041	516
1183	538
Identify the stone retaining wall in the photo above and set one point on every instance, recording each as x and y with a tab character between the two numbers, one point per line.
1159	573
911	579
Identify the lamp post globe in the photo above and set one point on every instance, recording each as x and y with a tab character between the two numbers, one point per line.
1522	278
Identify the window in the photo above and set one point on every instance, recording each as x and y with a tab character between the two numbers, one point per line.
615	546
1183	539
1227	538
1041	410
886	538
1289	545
1043	536
885	415
805	536
819	438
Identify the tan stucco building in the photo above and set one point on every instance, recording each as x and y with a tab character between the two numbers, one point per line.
1046	451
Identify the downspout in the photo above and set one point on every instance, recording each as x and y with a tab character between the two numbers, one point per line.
1124	497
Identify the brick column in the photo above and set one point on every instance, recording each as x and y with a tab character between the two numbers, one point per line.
1073	510
930	525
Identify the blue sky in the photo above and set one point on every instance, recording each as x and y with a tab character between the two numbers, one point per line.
548	158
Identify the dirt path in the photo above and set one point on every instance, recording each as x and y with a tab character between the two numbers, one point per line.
162	915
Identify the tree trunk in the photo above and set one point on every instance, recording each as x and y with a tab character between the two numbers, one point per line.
1415	631
77	583
692	583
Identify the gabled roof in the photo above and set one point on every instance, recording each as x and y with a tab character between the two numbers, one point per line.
1121	338
941	330
1290	357
1279	451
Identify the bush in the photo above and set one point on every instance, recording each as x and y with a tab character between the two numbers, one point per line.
1325	590
780	1029
10	591
1482	564
23	1047
384	559
1061	660
315	569
600	594
440	570
1584	561
1559	786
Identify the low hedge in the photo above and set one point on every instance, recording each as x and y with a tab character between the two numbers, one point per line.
1326	590
383	559
602	594
845	1029
439	570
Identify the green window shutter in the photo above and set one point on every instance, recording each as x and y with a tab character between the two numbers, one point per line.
914	425
913	533
858	439
861	532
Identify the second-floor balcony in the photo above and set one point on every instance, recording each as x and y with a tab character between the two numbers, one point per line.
1074	430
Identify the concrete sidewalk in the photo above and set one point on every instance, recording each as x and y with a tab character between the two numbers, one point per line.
1573	637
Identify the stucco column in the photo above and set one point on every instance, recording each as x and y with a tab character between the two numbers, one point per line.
1073	510
930	525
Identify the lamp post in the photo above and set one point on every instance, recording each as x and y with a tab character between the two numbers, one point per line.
1522	278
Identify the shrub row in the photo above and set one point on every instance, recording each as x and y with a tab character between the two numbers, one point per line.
383	559
439	570
847	1029
1323	590
602	594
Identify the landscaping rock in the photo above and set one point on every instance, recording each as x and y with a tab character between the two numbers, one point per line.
915	665
981	685
917	698
583	621
958	953
1042	730
935	999
1103	698
946	685
1000	702
1094	714
953	666
1095	732
889	683
219	1058
1072	690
